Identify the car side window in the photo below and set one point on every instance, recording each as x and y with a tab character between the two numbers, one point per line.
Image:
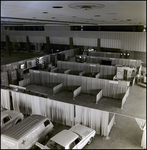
72	145
6	119
77	140
47	122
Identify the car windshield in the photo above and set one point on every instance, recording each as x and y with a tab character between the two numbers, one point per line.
53	145
80	137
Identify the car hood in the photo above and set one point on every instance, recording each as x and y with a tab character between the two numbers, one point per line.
81	130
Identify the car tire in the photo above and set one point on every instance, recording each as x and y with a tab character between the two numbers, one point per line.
90	140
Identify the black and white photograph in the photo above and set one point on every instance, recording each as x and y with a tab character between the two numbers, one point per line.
73	74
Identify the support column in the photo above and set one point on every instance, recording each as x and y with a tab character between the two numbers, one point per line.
48	49
39	47
98	44
71	43
28	46
36	47
8	45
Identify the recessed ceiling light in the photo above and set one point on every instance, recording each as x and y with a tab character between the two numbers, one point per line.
45	12
57	7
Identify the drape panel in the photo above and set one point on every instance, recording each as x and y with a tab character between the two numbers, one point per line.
105	54
104	123
114	61
16	101
35	103
142	125
61	112
43	78
5	99
57	111
103	69
96	119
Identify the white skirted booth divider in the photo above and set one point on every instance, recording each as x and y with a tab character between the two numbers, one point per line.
104	54
142	125
77	91
110	125
65	113
109	88
125	97
104	70
99	96
115	61
5	98
57	88
60	112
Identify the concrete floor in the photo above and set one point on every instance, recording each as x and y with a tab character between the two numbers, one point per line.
125	134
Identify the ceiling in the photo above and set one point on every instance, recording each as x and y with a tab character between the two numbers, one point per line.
73	12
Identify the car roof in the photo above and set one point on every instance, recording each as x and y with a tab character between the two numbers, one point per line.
9	112
65	137
24	127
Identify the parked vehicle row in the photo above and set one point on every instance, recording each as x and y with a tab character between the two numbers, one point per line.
30	133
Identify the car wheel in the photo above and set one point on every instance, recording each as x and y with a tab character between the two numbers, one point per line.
90	140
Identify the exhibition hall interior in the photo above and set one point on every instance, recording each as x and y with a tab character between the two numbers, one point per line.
73	74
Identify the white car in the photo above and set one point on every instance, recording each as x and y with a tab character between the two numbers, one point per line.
74	138
10	118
